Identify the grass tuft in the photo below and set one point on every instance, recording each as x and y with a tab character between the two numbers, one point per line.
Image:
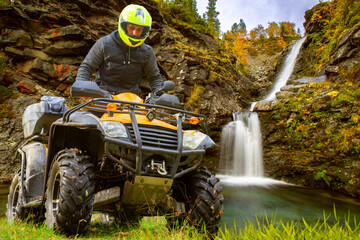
268	229
150	229
155	228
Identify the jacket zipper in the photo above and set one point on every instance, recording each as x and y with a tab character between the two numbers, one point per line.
128	57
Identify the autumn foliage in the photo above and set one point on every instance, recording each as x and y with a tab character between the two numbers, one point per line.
273	39
335	17
237	43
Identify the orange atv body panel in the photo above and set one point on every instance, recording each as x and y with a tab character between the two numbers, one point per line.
125	117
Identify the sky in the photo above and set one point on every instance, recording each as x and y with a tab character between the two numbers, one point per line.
255	12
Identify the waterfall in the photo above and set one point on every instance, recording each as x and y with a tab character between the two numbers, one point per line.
241	140
286	70
241	146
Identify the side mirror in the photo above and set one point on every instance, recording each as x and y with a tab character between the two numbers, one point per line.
87	89
167	86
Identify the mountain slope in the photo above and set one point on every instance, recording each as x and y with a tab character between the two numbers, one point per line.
42	44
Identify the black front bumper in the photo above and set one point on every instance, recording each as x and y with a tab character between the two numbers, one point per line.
181	157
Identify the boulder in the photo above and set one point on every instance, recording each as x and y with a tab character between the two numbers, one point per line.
69	47
71	32
26	86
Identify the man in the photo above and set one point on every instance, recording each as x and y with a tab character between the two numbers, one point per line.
122	58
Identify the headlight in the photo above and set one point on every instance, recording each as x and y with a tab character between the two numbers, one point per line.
193	141
114	129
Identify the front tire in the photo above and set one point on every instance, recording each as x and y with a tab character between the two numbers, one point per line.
203	199
70	192
14	210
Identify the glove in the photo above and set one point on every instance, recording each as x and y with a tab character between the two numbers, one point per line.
107	94
158	93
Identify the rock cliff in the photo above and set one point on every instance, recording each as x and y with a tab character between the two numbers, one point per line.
43	42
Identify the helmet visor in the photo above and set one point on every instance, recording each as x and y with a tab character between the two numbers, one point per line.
127	28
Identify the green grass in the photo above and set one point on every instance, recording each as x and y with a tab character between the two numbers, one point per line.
269	229
152	228
146	229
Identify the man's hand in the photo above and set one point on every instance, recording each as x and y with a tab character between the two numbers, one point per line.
158	93
107	94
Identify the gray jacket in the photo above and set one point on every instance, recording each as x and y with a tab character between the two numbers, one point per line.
120	67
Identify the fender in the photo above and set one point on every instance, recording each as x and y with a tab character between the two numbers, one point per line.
35	153
83	132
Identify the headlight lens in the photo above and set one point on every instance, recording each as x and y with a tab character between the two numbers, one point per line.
114	129
193	141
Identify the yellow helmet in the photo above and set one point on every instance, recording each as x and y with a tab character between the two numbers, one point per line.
137	15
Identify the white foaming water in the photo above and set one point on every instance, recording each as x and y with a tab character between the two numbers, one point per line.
252	106
241	146
249	181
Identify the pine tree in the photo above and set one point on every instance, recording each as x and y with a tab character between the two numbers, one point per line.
193	6
299	31
242	26
188	6
239	26
212	19
234	28
184	11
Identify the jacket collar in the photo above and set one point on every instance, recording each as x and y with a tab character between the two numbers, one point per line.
116	37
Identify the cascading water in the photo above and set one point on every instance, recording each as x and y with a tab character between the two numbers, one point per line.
241	146
241	140
285	71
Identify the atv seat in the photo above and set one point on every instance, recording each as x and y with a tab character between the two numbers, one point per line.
38	117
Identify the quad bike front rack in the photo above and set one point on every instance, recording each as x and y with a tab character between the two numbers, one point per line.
167	114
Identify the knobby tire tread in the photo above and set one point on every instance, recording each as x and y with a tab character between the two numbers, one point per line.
76	192
205	200
19	211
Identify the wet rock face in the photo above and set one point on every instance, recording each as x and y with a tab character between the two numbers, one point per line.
315	168
343	56
346	53
263	67
313	164
44	42
313	23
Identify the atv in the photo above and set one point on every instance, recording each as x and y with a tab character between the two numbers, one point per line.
114	154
